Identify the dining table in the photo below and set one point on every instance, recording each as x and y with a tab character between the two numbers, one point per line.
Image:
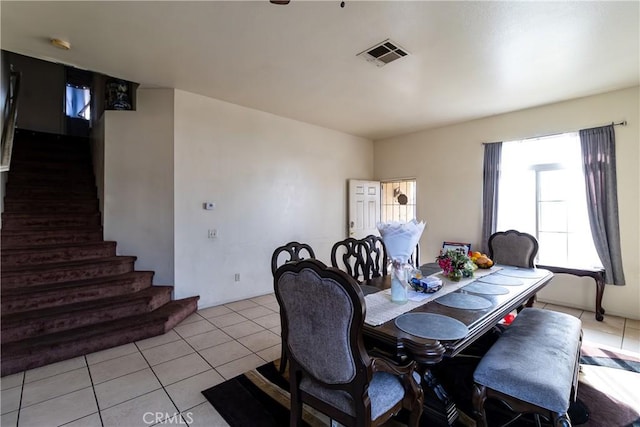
431	327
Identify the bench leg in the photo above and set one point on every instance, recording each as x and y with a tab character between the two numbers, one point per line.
478	398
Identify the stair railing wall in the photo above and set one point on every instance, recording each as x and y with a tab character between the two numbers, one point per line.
10	116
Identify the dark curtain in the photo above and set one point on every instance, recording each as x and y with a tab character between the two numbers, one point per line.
491	179
599	166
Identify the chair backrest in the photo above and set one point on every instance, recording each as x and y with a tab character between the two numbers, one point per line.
322	315
350	256
415	257
377	260
292	251
512	247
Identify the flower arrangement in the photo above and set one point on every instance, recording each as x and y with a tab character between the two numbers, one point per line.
455	264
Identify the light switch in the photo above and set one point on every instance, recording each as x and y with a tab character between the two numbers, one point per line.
209	206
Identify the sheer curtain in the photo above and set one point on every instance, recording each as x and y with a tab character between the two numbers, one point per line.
599	166
491	180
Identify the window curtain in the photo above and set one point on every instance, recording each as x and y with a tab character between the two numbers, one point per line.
599	166
491	180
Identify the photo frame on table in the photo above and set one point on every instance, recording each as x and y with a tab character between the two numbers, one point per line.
465	248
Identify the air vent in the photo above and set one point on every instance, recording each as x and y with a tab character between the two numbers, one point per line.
383	53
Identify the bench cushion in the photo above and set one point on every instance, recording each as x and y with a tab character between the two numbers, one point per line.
535	359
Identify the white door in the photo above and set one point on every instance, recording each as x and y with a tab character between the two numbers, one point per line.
364	208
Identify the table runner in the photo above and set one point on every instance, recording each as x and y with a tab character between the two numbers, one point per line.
380	308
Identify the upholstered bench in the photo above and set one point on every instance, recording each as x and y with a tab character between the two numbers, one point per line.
533	367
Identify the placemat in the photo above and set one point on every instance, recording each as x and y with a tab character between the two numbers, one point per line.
485	289
432	326
529	273
464	301
496	279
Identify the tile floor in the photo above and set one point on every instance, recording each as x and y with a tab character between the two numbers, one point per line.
127	385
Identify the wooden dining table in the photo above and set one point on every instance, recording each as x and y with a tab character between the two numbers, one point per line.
439	408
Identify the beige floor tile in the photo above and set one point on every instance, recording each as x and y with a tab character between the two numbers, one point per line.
227	320
273	306
170	336
180	368
54	369
10	381
166	352
188	392
241	305
10	399
10	419
259	341
239	366
224	353
114	368
194	328
610	324
255	312
204	415
575	312
631	339
265	299
632	323
270	354
208	339
47	388
599	337
111	353
126	387
140	411
242	329
270	321
216	311
277	330
92	420
195	317
60	410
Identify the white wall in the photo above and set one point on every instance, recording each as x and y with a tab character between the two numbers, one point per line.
448	162
273	180
138	182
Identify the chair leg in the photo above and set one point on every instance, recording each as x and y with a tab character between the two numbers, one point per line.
283	360
478	398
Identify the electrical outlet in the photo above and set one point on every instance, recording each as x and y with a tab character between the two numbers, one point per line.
237	277
212	233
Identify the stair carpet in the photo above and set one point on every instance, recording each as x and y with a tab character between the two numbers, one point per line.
64	290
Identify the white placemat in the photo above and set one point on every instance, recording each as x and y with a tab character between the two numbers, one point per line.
380	308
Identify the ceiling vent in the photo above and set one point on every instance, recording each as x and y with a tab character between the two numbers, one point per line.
383	53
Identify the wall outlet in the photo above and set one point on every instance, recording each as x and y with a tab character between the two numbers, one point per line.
212	233
209	206
237	277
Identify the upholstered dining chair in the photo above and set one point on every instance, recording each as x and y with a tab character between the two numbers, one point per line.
292	251
322	312
514	248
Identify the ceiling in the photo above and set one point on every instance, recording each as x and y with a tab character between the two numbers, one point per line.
466	59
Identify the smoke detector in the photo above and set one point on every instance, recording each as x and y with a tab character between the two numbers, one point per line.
383	53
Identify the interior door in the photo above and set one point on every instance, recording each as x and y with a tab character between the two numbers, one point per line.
364	208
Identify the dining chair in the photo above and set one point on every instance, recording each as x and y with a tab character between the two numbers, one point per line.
292	251
350	256
376	259
322	312
295	252
514	248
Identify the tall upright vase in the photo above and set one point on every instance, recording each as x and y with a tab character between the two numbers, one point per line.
399	281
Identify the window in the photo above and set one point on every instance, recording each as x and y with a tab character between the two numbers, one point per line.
78	102
399	200
541	192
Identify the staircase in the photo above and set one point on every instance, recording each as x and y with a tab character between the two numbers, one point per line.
64	291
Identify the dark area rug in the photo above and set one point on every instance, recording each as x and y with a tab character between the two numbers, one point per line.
608	394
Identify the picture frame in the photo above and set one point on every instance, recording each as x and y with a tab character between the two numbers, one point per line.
465	248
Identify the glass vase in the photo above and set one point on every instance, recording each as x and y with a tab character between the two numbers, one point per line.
455	275
399	281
